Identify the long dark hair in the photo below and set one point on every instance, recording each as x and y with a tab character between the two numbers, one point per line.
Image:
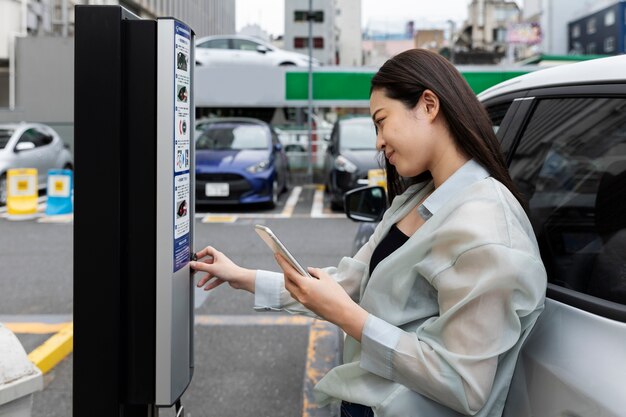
405	77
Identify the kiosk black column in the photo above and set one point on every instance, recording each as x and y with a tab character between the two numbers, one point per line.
134	210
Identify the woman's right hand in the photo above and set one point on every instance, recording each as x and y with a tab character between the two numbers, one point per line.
221	269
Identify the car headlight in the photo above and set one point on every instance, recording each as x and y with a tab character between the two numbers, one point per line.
261	166
344	164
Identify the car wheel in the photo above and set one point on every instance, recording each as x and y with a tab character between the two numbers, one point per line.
3	189
335	206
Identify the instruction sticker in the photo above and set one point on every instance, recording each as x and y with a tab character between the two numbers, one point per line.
182	145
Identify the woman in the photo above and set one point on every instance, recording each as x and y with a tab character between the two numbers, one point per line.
439	301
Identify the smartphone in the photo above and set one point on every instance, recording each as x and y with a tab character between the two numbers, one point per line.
277	247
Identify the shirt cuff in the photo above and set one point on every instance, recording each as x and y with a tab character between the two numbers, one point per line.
378	342
267	288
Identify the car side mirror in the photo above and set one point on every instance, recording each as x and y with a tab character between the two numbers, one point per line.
278	146
365	204
24	146
262	49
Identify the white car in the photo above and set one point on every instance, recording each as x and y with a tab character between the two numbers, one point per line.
563	132
245	50
31	145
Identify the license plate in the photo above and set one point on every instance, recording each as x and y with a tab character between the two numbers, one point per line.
219	189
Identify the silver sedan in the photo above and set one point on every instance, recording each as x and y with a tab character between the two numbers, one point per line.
31	145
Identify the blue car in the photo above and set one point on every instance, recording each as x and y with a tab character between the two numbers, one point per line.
239	161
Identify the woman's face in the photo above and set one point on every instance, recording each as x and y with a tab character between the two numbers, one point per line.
406	136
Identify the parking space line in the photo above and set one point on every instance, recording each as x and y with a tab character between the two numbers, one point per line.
290	205
322	356
318	202
317	208
287	212
219	218
58	218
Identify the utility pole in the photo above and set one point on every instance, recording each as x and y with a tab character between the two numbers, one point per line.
452	30
310	18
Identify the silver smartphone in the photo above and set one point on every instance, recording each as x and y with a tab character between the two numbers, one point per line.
277	246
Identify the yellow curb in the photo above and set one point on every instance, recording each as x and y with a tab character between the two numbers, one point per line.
35	328
53	350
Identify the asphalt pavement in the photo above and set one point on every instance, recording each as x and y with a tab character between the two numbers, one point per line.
246	363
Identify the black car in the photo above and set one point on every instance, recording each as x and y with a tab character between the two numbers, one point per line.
350	154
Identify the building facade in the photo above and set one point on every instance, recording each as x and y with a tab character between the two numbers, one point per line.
487	23
431	39
553	17
37	51
602	32
348	23
324	32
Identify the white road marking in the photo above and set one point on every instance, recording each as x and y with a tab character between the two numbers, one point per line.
290	205
287	212
317	209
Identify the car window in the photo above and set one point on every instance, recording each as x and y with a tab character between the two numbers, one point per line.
357	134
244	45
36	137
571	165
226	136
214	44
496	114
5	136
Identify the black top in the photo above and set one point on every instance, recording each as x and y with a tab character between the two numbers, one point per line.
394	239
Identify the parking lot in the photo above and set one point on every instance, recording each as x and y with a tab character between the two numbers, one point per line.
245	362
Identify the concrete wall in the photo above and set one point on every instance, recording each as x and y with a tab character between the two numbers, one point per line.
4	87
348	23
44	84
10	24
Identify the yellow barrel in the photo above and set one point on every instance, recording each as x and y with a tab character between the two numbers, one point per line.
22	192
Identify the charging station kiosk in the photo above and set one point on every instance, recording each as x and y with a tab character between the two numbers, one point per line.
133	212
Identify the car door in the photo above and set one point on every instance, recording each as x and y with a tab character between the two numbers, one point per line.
40	157
246	53
214	52
569	160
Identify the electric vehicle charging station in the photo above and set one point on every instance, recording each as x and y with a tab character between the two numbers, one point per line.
134	211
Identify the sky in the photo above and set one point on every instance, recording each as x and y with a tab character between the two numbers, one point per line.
269	14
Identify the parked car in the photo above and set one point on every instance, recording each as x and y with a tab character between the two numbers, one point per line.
350	154
239	161
563	131
245	50
31	145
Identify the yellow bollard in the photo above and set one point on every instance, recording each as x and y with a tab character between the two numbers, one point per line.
377	177
22	193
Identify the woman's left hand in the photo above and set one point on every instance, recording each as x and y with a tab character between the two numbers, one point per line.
325	297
